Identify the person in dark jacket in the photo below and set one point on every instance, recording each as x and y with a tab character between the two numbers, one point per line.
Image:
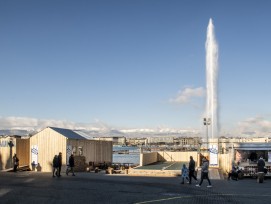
204	173
71	165
15	162
59	164
191	169
55	166
261	165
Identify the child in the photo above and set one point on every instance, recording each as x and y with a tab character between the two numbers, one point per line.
184	174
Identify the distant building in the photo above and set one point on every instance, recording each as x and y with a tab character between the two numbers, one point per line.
136	141
161	140
187	141
114	140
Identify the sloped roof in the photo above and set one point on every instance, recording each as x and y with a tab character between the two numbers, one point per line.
68	133
83	134
253	146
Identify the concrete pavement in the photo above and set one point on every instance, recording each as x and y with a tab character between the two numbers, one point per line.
37	187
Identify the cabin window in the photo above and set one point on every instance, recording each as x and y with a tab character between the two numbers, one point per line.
80	151
74	150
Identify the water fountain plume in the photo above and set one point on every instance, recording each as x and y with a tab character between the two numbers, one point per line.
211	79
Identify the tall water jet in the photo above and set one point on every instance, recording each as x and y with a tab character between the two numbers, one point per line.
211	81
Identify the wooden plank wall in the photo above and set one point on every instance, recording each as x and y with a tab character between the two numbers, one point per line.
94	150
49	143
22	151
225	162
6	153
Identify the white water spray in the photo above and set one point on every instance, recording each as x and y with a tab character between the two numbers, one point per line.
211	79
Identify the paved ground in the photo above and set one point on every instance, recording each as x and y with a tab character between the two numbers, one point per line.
34	187
164	165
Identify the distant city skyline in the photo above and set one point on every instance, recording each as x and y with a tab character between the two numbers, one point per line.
133	65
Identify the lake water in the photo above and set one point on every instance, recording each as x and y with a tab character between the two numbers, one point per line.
132	157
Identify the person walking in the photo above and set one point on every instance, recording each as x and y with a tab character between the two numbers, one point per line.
204	173
71	165
261	165
59	164
55	166
261	170
191	169
184	174
15	162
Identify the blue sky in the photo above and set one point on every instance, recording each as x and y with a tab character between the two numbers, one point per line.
121	63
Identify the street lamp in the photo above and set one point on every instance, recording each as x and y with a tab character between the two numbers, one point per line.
206	122
10	144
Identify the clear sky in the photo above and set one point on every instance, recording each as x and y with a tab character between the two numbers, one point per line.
128	63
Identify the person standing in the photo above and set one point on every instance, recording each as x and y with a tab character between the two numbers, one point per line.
191	169
15	162
261	165
184	174
55	166
71	165
59	164
204	173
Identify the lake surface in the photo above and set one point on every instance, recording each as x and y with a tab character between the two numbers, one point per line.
132	157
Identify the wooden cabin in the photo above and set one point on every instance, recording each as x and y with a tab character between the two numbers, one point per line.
50	141
10	145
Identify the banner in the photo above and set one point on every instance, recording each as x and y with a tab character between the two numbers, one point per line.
213	149
34	154
269	156
69	152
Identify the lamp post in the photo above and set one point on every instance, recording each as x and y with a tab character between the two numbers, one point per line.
206	122
10	144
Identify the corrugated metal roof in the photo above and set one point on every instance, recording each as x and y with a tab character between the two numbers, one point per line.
253	146
83	134
68	133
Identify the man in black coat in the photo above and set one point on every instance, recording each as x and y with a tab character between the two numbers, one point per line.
261	165
55	165
191	169
71	165
59	164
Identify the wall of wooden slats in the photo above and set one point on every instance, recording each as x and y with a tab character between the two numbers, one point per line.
94	150
22	151
49	143
6	154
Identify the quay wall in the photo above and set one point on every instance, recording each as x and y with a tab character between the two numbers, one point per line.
152	157
225	160
148	158
177	156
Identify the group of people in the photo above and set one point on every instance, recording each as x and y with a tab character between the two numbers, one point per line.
189	173
57	164
234	173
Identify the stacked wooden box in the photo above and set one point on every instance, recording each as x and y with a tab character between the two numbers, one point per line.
80	163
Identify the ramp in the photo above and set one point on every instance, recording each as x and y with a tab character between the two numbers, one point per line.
213	174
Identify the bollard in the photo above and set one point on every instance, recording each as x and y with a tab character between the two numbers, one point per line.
110	170
260	177
126	171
